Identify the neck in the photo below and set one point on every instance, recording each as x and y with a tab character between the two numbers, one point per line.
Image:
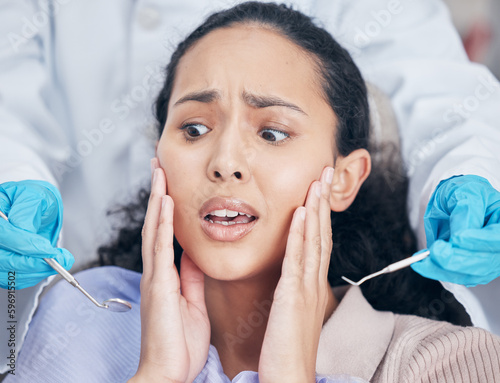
238	313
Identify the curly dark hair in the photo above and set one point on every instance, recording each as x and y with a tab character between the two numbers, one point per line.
374	231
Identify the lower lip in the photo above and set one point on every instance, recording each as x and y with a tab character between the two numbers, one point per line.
219	232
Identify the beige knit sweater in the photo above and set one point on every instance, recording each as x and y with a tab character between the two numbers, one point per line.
390	348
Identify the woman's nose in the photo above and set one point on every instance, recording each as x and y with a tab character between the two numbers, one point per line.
229	160
236	174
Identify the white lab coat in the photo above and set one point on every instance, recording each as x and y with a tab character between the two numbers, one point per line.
77	81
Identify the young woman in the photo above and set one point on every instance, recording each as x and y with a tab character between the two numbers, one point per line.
258	108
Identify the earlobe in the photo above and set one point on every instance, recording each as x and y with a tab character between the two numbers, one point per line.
350	173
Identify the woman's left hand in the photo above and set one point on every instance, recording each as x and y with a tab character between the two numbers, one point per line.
300	300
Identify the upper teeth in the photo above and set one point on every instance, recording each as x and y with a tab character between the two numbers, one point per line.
227	213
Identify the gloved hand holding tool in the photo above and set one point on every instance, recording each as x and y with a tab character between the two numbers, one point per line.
34	210
462	227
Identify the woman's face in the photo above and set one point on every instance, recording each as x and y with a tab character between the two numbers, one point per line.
248	131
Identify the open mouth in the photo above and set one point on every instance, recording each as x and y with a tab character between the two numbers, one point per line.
228	217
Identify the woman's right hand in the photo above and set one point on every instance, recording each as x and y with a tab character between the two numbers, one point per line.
175	330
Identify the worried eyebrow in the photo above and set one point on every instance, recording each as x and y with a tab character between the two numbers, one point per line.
256	101
266	101
205	96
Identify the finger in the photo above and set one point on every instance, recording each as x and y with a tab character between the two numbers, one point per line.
492	213
33	265
474	263
432	269
293	260
25	265
26	280
192	283
5	201
486	239
36	207
64	258
325	222
468	212
163	260
428	269
154	165
150	228
312	248
22	242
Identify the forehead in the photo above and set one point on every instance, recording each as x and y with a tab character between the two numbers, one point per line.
248	58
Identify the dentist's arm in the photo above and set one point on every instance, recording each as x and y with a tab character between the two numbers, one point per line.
32	141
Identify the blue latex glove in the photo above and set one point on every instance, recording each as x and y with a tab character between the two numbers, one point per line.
462	227
34	209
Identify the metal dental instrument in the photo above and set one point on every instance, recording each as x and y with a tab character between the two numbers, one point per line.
392	267
113	304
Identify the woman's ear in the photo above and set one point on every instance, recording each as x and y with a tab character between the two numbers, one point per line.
350	173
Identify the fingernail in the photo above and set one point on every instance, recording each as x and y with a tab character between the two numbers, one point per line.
155	173
302	213
318	189
163	201
152	163
329	175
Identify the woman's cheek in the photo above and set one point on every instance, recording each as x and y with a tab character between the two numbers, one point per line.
185	208
171	161
177	180
293	183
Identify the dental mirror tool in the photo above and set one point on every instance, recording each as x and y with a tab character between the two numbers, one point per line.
113	304
391	268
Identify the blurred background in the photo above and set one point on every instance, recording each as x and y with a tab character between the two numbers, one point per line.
478	22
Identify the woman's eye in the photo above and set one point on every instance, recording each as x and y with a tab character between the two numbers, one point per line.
273	135
194	130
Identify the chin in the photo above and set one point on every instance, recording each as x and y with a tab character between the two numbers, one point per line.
231	263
